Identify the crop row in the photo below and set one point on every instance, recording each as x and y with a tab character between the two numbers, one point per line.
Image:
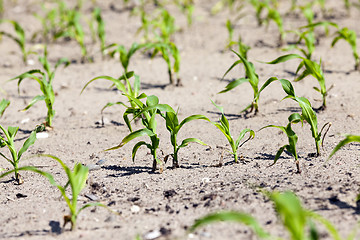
65	22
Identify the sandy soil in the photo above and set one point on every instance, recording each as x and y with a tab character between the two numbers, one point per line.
170	202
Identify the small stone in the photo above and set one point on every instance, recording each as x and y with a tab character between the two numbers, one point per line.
135	209
30	62
152	235
25	120
101	162
42	135
205	180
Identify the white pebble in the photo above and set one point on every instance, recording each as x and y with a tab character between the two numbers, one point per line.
42	135
25	120
152	235
135	209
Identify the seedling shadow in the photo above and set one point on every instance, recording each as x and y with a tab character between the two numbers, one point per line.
230	116
55	227
127	171
270	157
151	86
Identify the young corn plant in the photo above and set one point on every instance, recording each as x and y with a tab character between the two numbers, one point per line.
350	37
147	113
132	92
224	127
168	50
19	38
76	180
309	40
100	30
274	15
292	138
250	77
311	68
298	221
45	80
124	54
308	114
187	7
9	141
173	126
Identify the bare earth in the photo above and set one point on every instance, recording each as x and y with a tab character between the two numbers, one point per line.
170	202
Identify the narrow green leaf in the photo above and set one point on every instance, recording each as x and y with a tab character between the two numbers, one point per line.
131	136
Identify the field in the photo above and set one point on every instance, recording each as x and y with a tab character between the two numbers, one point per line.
165	203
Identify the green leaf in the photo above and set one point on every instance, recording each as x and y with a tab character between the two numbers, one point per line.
234	84
120	86
34	100
136	147
191	118
291	213
186	141
231	216
30	141
242	135
131	136
348	139
284	58
3	105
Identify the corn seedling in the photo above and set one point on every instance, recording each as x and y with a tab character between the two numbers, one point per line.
64	22
100	30
173	126
311	68
76	180
308	114
230	29
259	7
250	77
309	42
350	37
19	38
274	15
132	92
298	221
292	138
3	105
124	54
8	142
168	50
187	7
147	112
45	80
224	127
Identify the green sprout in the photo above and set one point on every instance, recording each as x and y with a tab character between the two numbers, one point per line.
132	92
292	138
76	180
19	38
297	220
3	105
224	127
147	112
250	77
187	7
230	29
45	80
308	114
100	28
311	68
173	126
274	15
8	142
168	50
124	55
350	37
259	7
